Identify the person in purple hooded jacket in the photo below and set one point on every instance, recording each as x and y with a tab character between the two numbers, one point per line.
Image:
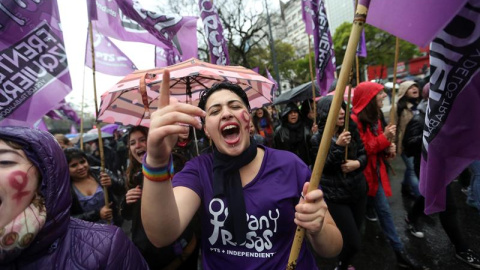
36	230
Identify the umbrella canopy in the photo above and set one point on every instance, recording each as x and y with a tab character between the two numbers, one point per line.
345	94
132	99
88	137
110	128
299	93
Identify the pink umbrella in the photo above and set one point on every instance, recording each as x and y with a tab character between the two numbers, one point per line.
345	94
132	99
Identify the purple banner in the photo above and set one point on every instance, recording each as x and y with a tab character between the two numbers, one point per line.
34	73
73	129
40	125
362	46
275	87
53	114
323	47
214	31
415	21
112	22
109	59
451	132
69	112
165	57
308	15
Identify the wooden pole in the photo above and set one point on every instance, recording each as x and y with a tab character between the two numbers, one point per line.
358	22
313	80
100	141
393	109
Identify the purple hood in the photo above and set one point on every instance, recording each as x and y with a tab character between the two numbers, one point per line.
44	151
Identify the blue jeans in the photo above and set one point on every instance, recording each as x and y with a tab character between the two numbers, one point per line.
385	217
474	193
410	178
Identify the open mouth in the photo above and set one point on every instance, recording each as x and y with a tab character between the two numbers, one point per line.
230	133
140	153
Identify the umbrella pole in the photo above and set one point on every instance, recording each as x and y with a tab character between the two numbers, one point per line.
100	141
359	20
313	83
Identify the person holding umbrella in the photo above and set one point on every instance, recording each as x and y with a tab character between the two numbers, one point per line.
250	197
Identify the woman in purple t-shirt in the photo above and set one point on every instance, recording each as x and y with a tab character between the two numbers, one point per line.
248	195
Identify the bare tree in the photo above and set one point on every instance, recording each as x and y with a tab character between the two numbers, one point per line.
244	29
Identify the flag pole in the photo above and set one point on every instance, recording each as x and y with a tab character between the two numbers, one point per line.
393	108
349	98
312	78
100	141
347	110
358	22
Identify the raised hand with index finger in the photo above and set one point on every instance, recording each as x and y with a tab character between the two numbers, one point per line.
165	124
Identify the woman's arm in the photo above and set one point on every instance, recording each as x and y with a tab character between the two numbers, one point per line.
167	211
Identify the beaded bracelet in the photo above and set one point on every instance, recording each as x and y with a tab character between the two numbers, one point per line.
159	174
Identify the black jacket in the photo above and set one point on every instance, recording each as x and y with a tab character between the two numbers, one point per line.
412	139
336	186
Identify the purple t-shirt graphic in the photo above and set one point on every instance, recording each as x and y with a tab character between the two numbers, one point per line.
270	200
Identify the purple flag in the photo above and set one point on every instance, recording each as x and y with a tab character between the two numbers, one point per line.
451	132
53	114
112	22
73	129
163	27
109	59
69	112
214	31
362	46
255	69
415	21
323	47
40	124
34	75
308	15
186	40
165	57
275	83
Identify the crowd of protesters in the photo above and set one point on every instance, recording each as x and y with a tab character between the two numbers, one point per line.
181	193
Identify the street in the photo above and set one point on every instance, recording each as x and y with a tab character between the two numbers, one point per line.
434	251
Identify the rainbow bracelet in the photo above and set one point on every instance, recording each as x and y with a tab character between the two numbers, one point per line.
159	174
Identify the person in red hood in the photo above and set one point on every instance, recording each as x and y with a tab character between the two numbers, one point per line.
367	102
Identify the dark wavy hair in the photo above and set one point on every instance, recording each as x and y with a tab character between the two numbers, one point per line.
74	153
235	88
370	114
134	166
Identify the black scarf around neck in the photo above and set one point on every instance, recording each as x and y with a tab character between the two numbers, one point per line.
227	182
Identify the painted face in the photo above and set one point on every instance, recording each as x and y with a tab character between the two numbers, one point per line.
18	182
138	145
413	92
341	118
227	122
78	168
380	96
293	117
